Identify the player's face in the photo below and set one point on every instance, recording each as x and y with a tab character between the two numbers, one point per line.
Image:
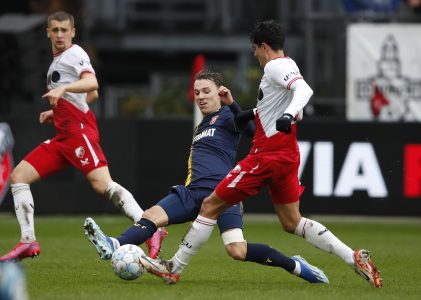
60	34
260	53
206	96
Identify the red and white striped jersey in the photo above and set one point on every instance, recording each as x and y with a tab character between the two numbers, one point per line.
67	67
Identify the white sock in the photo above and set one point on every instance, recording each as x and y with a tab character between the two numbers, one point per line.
24	208
124	200
320	237
297	270
197	235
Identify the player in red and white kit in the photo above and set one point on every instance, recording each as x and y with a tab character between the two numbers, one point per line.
72	85
273	161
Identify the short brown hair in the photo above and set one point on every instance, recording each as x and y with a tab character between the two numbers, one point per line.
61	16
216	78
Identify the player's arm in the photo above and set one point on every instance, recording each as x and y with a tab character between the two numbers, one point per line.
87	83
247	127
287	76
92	96
302	93
46	116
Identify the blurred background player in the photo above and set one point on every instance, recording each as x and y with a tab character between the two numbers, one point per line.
72	85
12	282
213	154
273	161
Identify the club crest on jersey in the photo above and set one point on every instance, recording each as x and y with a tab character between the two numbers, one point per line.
80	152
213	120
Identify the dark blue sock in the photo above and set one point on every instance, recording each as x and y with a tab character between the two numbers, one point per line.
138	233
265	255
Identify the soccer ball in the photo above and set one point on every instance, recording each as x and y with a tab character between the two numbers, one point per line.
126	263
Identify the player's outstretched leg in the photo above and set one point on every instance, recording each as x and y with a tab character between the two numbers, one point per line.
309	272
22	250
103	243
154	243
161	268
365	267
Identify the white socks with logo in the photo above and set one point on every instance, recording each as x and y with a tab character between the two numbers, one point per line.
197	235
320	237
24	208
124	200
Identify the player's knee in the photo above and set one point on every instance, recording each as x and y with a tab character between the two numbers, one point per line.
19	175
148	214
98	186
237	251
15	177
207	207
212	206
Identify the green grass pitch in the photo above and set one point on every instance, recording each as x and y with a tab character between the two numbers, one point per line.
69	268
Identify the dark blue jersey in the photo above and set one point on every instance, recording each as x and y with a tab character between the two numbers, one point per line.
213	150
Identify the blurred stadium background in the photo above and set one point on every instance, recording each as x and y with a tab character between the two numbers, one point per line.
360	141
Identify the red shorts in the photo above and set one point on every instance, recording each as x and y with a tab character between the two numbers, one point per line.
80	150
253	172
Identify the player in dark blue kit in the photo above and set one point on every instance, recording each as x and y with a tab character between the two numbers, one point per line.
213	154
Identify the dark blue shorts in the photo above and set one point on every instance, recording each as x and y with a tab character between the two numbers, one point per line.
183	204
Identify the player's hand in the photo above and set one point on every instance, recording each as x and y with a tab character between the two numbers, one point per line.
283	124
54	95
225	95
243	117
46	117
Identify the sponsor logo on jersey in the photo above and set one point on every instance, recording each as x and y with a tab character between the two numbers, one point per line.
213	120
80	152
47	141
288	76
55	77
84	162
205	133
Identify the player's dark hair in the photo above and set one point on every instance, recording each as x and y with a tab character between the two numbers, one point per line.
61	16
269	32
217	78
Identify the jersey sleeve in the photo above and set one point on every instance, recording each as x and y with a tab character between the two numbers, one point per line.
79	62
283	73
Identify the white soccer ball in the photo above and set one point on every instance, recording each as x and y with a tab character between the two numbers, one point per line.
126	263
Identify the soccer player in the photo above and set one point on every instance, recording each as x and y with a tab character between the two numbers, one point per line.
213	154
273	161
72	85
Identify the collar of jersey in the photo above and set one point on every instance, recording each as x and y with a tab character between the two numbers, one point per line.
59	53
